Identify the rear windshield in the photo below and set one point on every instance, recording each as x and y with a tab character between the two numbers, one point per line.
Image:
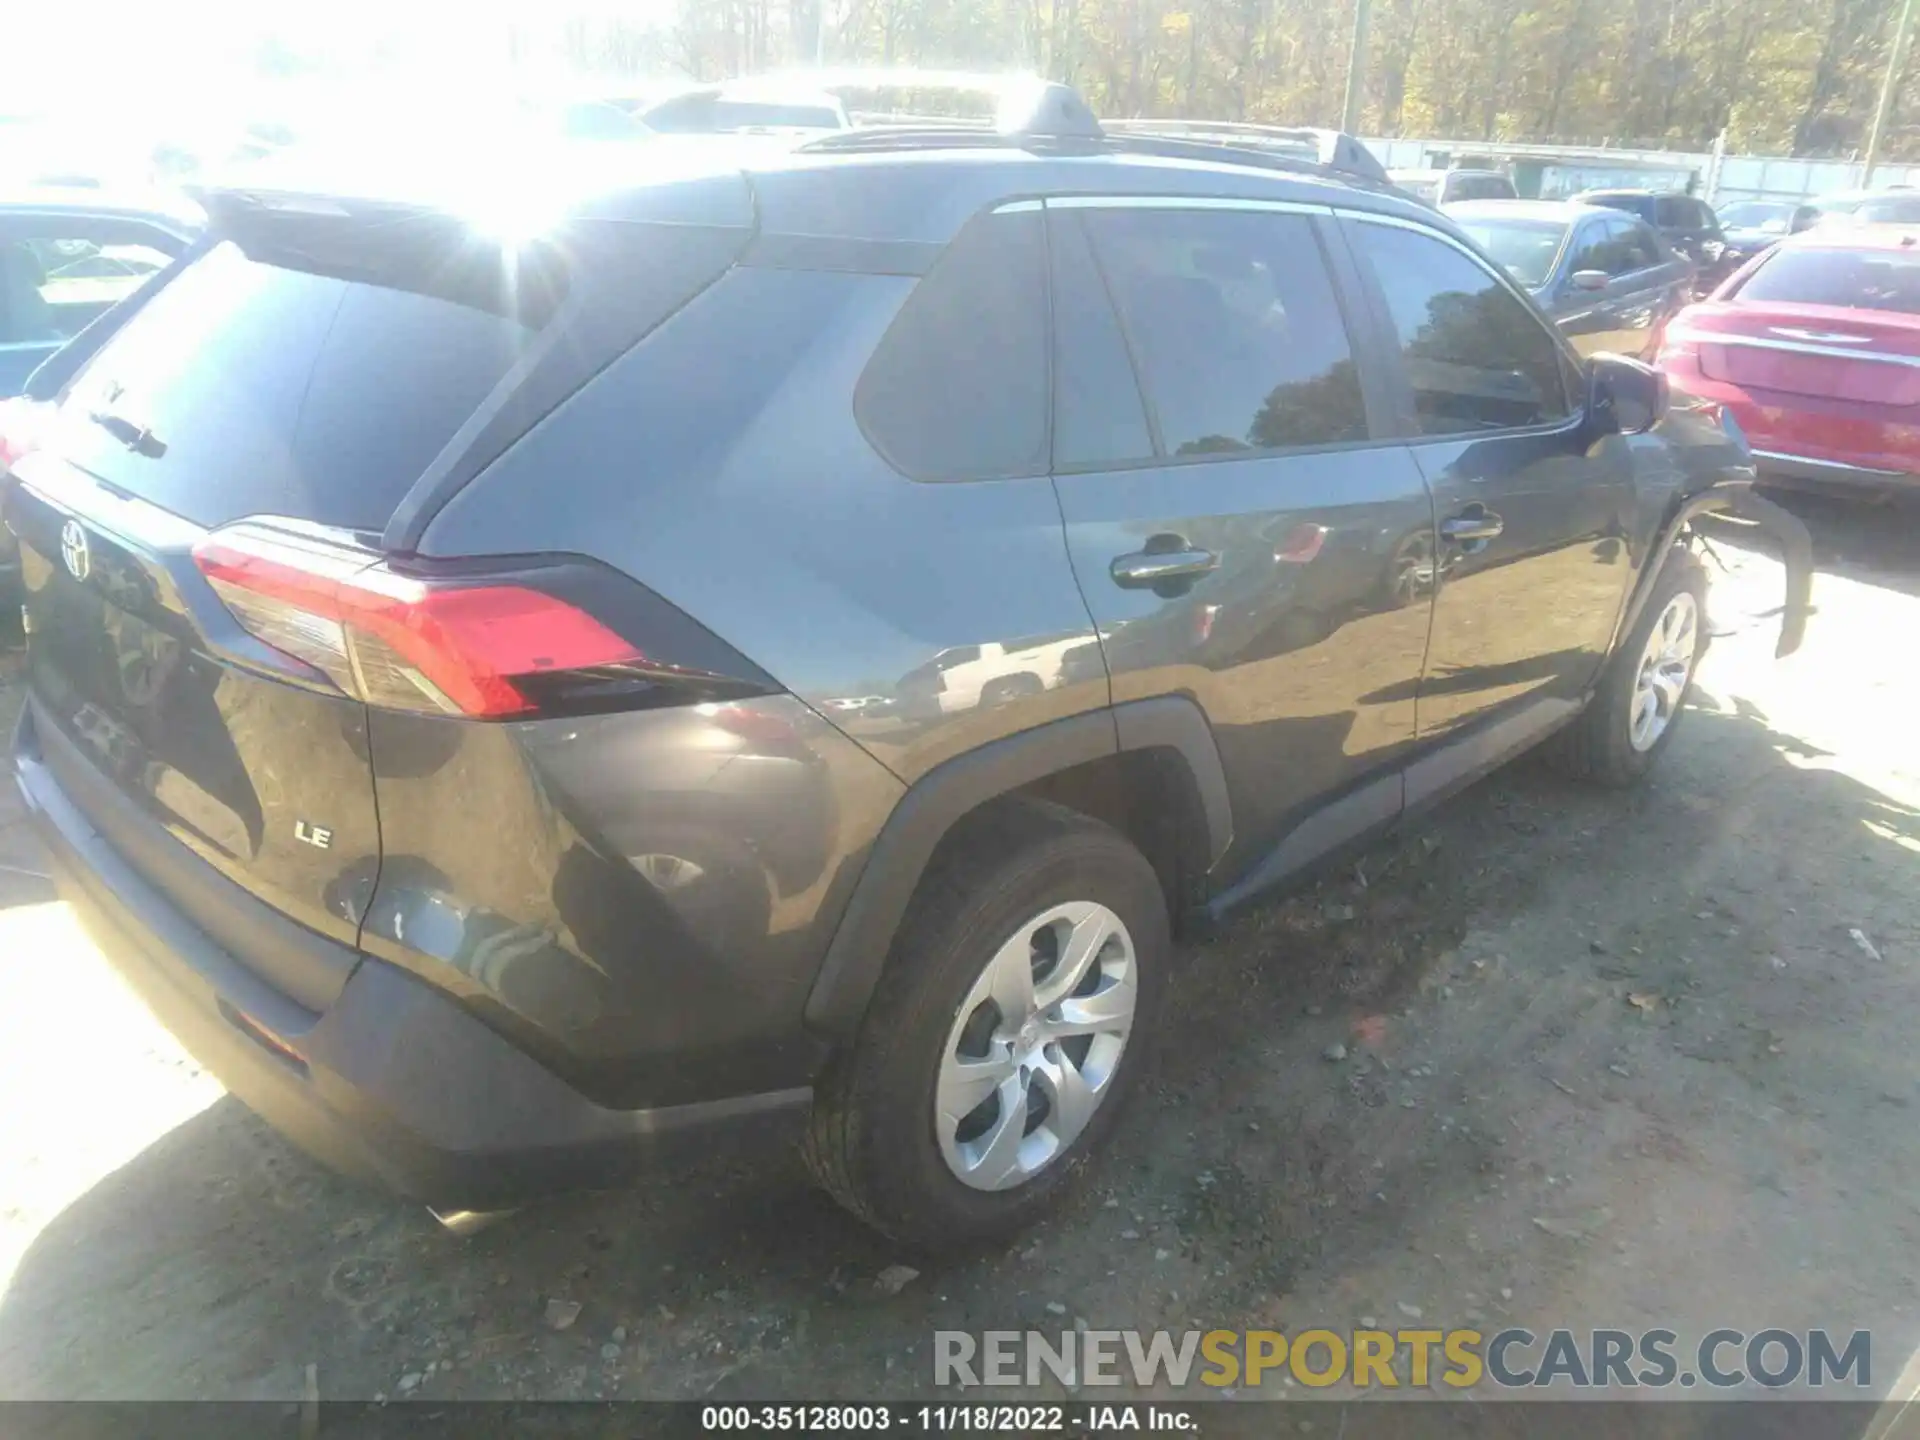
1857	279
314	373
1771	216
1894	210
1481	187
1527	248
1641	205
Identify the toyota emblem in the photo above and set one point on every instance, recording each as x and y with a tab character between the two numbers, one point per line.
73	549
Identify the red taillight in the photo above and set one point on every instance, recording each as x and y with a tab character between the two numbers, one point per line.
1301	544
394	640
21	421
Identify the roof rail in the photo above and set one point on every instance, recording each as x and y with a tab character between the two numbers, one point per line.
1025	110
1030	110
1327	149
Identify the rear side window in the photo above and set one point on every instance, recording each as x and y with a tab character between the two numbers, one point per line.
1476	358
957	389
279	386
1099	418
1233	326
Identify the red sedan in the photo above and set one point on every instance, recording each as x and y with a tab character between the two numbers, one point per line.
1814	346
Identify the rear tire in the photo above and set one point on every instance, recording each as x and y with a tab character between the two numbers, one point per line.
1041	886
1642	692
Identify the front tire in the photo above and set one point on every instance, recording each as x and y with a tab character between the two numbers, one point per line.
1004	1033
1642	693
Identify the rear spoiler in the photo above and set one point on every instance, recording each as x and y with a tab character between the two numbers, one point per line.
1734	496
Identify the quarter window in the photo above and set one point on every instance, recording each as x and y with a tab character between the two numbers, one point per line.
1233	326
957	389
1476	357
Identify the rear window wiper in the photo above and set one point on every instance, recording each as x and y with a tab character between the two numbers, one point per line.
136	438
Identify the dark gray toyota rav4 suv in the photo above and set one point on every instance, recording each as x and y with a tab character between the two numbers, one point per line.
786	649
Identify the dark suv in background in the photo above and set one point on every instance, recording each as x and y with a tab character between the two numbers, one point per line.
786	650
1686	224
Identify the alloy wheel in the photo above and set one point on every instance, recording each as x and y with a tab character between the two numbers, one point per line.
1034	1048
1665	668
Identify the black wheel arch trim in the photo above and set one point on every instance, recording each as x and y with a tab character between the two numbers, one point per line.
937	801
1736	498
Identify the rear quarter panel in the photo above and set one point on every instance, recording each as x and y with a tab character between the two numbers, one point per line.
721	465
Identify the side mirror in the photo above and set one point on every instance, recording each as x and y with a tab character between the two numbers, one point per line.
1624	396
1588	280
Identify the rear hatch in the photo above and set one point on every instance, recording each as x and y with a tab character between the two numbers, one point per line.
200	676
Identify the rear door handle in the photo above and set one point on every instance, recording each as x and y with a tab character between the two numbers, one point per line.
1146	568
1477	523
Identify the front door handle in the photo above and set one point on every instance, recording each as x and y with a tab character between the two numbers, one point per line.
1477	523
1144	569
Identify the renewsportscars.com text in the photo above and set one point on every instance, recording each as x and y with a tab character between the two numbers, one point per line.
1515	1358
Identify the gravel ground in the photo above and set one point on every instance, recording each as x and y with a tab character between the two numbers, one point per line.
1605	1060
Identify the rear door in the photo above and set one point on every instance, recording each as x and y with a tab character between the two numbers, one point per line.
1533	512
1240	530
59	272
263	380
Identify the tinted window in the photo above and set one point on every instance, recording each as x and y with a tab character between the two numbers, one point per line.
1233	325
1098	415
957	389
1855	279
1476	357
266	389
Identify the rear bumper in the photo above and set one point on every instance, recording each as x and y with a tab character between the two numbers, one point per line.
1803	440
1779	466
394	1082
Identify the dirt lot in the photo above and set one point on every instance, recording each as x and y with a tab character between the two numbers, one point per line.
1608	1061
